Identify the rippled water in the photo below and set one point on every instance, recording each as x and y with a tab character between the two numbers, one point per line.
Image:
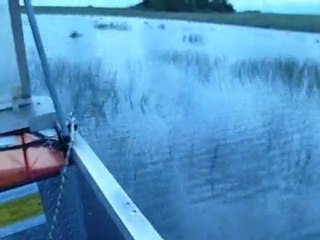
212	130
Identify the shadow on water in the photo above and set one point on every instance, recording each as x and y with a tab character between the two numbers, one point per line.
239	155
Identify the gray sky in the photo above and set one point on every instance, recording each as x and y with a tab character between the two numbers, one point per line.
278	6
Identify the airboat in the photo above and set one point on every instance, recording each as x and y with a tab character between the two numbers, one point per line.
39	142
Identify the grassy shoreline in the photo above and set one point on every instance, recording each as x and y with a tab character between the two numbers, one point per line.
302	23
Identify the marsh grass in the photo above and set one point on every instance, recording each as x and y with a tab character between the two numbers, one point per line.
162	26
293	74
195	63
194	39
75	34
84	89
122	26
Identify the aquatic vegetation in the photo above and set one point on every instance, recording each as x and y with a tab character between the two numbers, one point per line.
123	26
294	74
85	88
75	34
162	26
195	62
196	39
187	57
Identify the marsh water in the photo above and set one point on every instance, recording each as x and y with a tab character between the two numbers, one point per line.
212	130
285	6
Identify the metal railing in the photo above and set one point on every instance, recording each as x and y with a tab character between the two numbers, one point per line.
124	213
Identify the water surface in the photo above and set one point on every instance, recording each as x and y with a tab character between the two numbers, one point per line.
212	130
273	6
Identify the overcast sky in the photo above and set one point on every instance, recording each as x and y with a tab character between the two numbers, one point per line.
278	6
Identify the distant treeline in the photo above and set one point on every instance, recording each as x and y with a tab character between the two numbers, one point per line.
189	5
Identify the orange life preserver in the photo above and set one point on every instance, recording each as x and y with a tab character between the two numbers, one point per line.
26	157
